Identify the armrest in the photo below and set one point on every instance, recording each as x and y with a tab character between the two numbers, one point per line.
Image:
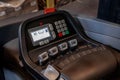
102	31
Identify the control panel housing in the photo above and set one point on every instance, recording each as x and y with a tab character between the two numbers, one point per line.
50	40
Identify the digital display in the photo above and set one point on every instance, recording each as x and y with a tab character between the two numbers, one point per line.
40	34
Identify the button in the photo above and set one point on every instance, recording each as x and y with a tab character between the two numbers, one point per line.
62	29
57	27
63	33
41	43
56	23
65	28
59	22
67	32
43	57
51	27
60	35
61	26
46	41
63	46
63	21
64	25
73	43
53	34
59	30
53	51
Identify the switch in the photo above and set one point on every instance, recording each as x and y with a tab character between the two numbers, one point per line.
73	43
53	51
63	46
43	57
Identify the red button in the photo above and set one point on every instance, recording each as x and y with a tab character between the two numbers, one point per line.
60	34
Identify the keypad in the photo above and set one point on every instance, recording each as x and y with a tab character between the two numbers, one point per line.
61	27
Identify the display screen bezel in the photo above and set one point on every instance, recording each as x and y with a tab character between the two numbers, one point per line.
36	43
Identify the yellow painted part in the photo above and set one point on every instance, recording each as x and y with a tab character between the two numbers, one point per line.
50	3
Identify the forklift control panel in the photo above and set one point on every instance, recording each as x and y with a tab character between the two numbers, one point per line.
51	47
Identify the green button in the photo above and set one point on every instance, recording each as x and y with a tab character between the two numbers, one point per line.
67	32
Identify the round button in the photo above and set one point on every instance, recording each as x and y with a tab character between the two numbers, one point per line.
64	25
67	32
57	27
62	29
63	21
65	28
60	34
56	23
59	30
63	33
61	26
59	22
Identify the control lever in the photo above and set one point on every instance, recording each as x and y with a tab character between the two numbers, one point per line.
51	73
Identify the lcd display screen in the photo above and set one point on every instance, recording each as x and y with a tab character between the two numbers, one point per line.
40	34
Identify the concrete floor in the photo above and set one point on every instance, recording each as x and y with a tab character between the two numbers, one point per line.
82	7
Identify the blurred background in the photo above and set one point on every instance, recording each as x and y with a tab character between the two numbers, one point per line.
13	8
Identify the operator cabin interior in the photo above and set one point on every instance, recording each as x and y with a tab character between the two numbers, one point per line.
59	40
